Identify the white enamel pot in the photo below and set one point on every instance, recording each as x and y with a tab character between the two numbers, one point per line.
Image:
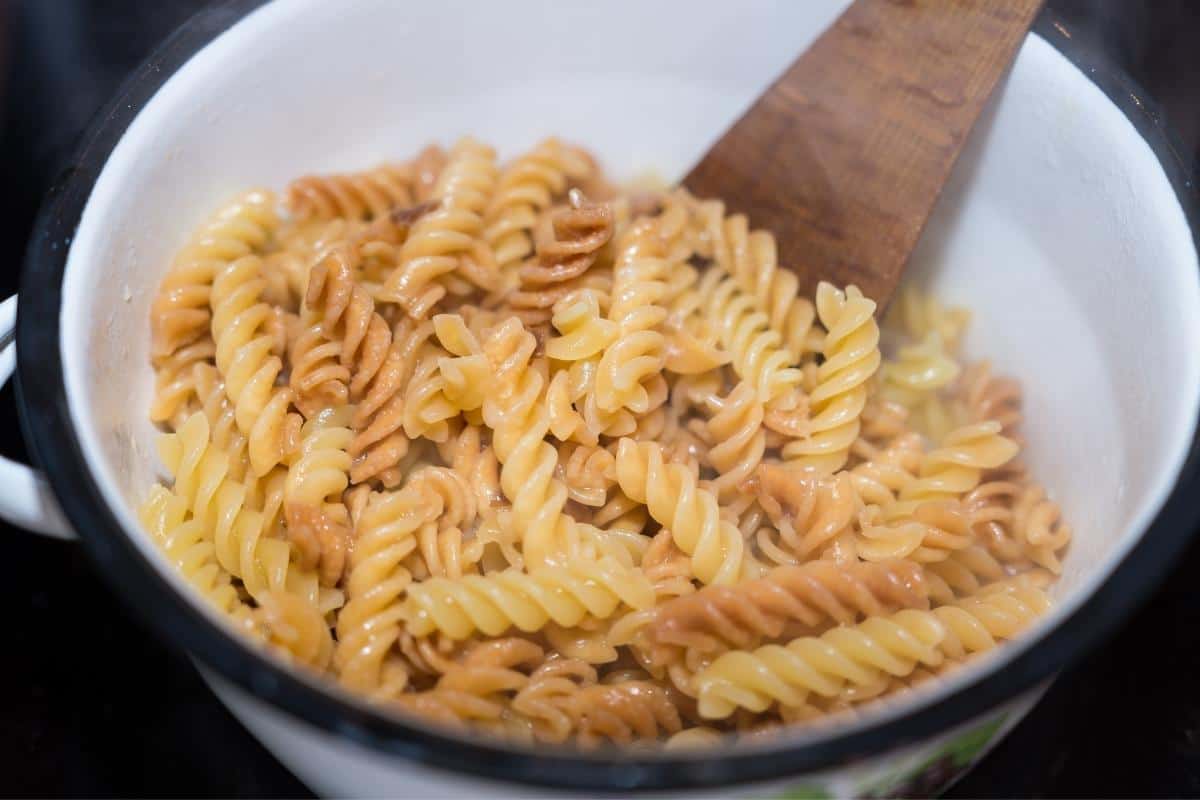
1066	229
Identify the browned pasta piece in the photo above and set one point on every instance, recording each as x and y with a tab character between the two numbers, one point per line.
347	315
808	510
478	690
989	397
379	442
547	699
526	187
369	194
567	241
625	713
744	615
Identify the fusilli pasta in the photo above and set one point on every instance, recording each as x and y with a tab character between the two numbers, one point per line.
509	448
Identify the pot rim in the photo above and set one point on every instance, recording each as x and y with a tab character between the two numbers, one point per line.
46	424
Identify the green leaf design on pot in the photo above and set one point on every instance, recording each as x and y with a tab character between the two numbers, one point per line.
933	774
966	746
805	791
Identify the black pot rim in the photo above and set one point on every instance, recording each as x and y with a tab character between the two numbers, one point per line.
53	442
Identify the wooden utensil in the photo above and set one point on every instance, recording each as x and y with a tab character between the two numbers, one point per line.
846	153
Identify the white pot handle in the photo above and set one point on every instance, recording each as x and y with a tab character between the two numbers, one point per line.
25	499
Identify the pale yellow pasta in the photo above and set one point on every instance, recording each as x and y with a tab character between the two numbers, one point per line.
866	654
917	315
861	655
916	378
186	544
219	504
883	472
492	604
295	627
962	573
999	611
180	313
851	350
583	330
676	501
175	380
520	422
930	532
638	354
751	258
755	348
736	438
248	366
447	240
318	521
957	466
369	625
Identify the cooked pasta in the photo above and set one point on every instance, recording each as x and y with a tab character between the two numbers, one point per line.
865	654
318	523
446	241
738	617
507	448
527	601
296	627
851	350
245	360
525	188
676	501
359	195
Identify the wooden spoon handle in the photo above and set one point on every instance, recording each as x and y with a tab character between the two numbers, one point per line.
846	153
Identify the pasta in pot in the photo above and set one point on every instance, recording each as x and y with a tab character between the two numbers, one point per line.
580	470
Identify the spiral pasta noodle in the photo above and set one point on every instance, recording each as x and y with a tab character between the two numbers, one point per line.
318	521
930	532
220	506
567	242
851	350
524	189
379	443
243	356
639	352
809	511
676	501
751	258
520	452
756	350
737	439
956	467
369	625
357	195
527	601
296	627
447	240
180	312
738	617
187	545
346	314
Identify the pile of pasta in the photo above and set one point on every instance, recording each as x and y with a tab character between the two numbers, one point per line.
507	448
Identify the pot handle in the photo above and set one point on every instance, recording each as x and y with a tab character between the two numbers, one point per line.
25	498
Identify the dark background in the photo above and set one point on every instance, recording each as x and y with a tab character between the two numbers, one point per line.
91	704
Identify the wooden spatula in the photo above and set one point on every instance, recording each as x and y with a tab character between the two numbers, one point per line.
846	153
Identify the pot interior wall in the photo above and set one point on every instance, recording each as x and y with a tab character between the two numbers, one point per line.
1060	230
